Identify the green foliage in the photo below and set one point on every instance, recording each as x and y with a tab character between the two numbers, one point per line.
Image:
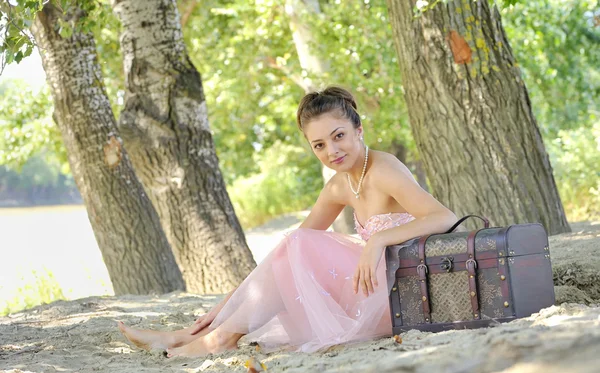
250	68
40	181
575	156
38	288
557	46
507	3
255	109
15	21
356	40
258	109
26	126
17	16
106	33
289	180
33	160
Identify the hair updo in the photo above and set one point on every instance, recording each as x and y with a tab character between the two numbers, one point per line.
331	100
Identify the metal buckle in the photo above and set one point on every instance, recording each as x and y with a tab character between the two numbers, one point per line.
471	261
422	266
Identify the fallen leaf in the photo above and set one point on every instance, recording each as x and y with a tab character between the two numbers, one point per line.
398	339
254	366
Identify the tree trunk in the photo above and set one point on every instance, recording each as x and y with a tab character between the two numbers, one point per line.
302	36
471	115
296	10
134	247
165	127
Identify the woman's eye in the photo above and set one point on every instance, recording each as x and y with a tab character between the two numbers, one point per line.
318	146
339	135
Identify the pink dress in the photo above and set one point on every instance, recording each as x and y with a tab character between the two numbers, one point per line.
301	296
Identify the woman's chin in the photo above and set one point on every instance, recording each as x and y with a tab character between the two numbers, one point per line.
338	167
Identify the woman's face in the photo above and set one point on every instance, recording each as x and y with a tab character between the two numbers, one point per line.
334	141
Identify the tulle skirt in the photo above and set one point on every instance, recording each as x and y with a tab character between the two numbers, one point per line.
300	296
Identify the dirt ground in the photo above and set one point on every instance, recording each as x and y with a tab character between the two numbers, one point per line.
81	335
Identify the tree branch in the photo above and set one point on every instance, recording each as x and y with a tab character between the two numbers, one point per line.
188	12
271	62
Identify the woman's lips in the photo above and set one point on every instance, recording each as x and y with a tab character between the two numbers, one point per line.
338	160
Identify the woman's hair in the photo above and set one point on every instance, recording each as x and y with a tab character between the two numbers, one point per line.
331	100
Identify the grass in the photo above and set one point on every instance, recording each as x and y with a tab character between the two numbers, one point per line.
38	287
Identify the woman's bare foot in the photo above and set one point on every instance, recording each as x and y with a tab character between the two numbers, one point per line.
212	343
150	339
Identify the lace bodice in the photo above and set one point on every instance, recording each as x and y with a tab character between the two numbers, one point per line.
381	222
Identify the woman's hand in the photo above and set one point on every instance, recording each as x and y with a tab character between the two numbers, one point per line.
205	320
365	276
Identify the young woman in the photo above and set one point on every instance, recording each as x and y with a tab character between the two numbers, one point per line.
318	288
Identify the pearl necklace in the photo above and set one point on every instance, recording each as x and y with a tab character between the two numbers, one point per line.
357	192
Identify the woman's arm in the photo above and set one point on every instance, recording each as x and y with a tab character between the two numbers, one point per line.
431	216
327	208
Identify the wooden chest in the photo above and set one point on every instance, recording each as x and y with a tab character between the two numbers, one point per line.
469	279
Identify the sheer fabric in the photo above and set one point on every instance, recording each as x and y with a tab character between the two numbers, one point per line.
300	296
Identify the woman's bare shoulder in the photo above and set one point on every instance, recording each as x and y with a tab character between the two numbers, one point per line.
385	162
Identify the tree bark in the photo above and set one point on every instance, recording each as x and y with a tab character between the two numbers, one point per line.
134	247
165	127
471	115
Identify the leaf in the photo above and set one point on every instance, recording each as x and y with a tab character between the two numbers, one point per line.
65	31
460	48
19	56
508	3
28	50
9	56
254	366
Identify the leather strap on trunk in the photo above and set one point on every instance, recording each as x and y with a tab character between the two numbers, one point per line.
472	271
422	272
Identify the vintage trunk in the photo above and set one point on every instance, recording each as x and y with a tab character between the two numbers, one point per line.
472	279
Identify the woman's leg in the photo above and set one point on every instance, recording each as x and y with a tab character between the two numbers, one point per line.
214	342
258	302
151	339
255	303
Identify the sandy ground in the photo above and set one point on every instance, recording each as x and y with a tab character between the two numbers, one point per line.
81	335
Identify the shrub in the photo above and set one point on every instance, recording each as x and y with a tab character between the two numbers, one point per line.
38	288
289	180
575	157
